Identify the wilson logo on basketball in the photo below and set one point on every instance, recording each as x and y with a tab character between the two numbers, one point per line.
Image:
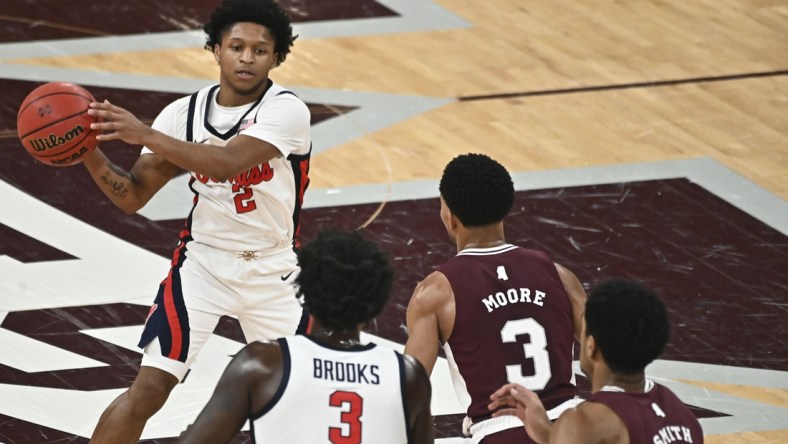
54	141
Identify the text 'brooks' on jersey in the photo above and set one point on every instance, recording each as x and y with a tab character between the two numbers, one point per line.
345	371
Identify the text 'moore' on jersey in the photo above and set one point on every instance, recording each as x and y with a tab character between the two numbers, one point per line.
514	296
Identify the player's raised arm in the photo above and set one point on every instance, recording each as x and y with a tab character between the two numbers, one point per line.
431	301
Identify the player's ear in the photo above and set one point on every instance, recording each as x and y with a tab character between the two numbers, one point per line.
456	221
591	348
451	219
216	50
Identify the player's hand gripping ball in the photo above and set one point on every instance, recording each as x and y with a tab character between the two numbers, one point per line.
54	126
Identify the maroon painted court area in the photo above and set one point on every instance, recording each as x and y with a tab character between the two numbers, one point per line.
720	271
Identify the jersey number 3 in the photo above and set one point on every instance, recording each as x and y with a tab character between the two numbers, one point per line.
352	405
243	199
535	349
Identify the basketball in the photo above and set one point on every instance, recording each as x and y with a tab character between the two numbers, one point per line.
54	126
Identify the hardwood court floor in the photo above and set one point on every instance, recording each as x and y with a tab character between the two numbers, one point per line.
649	139
518	50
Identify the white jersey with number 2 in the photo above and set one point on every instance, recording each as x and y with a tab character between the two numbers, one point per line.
257	209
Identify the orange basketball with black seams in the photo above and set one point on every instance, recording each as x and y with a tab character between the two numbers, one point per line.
54	126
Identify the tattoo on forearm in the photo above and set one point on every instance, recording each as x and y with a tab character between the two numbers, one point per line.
117	187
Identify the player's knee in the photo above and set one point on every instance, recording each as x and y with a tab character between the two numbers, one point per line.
150	390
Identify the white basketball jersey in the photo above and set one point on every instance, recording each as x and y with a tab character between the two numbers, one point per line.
335	396
258	209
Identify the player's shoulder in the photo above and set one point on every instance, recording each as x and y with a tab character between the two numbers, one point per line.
279	92
596	421
433	289
587	412
666	396
280	96
436	279
265	352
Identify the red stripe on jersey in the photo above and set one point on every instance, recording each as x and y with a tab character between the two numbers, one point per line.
185	234
172	320
304	167
176	255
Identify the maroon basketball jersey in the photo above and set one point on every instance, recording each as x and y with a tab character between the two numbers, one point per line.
513	324
655	417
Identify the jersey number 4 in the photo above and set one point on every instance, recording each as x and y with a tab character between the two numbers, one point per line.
535	349
352	405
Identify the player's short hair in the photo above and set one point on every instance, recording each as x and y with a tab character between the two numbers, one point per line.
267	13
629	324
477	189
345	280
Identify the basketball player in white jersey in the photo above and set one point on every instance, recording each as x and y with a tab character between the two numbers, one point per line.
246	144
325	387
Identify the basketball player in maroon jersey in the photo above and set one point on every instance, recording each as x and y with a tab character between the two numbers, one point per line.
503	313
625	327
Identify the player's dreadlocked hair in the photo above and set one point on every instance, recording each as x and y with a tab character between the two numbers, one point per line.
345	280
477	189
629	324
263	12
